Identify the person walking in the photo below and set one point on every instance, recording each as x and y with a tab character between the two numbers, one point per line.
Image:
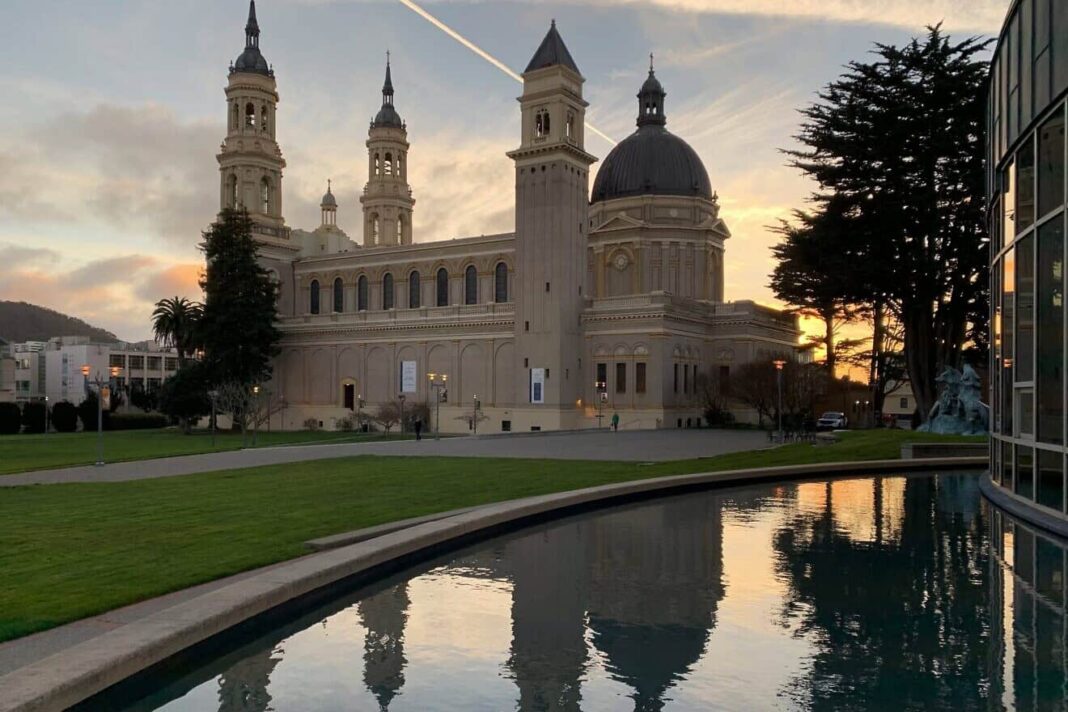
615	421
418	428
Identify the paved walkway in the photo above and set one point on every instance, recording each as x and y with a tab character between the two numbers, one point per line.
634	446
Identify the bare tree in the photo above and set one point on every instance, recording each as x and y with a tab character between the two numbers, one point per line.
387	415
239	401
713	394
754	385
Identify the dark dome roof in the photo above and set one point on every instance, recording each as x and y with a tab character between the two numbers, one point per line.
652	161
252	61
388	116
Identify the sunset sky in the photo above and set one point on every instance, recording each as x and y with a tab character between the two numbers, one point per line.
114	109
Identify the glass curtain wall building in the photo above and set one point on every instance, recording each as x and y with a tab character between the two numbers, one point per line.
1028	86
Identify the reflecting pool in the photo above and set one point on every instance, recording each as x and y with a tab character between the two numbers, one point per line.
885	593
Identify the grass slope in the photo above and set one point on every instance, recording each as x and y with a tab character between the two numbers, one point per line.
22	453
74	550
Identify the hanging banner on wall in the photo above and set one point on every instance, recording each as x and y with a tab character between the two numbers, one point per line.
408	377
537	385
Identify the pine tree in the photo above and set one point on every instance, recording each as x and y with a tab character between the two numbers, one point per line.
237	327
897	144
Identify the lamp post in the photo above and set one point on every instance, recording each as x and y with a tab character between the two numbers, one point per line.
401	399
359	412
213	394
46	415
438	386
475	405
255	413
100	383
779	365
602	395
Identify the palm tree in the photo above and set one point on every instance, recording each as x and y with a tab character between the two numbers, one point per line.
175	323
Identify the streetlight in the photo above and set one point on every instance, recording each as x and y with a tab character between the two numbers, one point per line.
475	406
438	386
46	415
213	394
401	399
602	396
255	413
100	383
359	412
779	364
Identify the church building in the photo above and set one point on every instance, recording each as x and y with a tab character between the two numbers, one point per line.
600	303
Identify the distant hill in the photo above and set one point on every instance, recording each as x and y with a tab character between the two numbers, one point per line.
20	321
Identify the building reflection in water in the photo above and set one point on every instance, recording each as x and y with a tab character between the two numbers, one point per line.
384	615
1027	589
872	593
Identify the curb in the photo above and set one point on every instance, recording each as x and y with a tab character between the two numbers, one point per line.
87	668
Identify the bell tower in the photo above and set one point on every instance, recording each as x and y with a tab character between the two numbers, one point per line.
250	161
551	214
387	198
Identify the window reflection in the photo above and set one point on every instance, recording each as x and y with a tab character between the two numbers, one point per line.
1051	164
1049	379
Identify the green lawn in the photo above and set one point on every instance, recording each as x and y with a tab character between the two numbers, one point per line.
73	550
20	453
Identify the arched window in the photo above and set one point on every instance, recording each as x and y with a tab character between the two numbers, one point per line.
400	229
361	293
263	118
314	296
235	120
541	123
414	301
500	283
570	125
388	164
232	191
265	196
387	291
339	295
375	229
443	287
378	165
471	285
250	115
400	170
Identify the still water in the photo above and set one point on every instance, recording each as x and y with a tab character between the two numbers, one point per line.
885	593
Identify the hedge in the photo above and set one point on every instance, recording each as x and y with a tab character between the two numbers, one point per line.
64	417
33	417
10	419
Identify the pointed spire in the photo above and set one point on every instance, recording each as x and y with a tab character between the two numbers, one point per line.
551	52
252	27
387	87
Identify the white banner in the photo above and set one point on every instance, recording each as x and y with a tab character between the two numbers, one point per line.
537	385
408	377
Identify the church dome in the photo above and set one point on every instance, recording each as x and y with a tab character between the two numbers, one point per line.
388	116
251	60
652	160
329	201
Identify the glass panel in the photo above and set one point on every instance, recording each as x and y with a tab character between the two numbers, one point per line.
1051	479
500	290
1051	164
1008	202
621	378
1008	301
1049	379
1025	187
995	342
1025	475
443	288
1025	308
639	378
339	296
1041	25
361	294
1059	34
1025	63
471	285
1025	411
314	297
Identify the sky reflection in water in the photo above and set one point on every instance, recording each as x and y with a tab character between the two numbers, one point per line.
874	593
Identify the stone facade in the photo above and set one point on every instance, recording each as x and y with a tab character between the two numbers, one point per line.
626	292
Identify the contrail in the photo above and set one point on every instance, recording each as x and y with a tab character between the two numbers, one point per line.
483	54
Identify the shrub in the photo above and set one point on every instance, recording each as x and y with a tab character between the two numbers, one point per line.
347	424
135	421
64	417
184	396
87	412
10	419
311	424
33	417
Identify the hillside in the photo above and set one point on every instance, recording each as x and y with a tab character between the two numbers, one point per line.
20	321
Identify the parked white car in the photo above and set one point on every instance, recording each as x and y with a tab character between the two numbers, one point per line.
832	420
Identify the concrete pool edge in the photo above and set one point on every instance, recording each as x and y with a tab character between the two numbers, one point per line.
1022	509
87	668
